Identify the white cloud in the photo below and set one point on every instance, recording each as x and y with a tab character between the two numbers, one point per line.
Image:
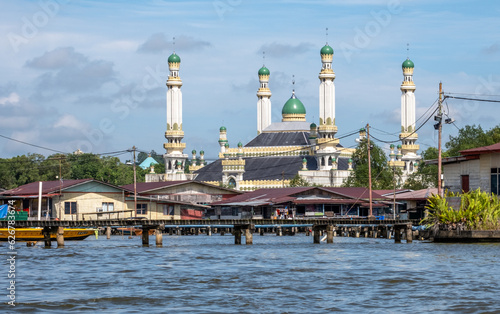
69	121
12	99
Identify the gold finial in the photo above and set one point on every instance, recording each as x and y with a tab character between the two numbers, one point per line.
263	58
173	42
327	35
407	50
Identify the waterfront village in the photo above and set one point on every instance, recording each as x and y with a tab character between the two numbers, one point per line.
254	180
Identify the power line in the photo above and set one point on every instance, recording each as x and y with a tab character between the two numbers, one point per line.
34	145
469	98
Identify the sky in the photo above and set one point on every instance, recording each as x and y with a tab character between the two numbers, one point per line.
91	75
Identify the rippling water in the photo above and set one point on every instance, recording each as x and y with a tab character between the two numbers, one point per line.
289	274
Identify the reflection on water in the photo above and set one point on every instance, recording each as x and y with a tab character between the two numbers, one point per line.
202	274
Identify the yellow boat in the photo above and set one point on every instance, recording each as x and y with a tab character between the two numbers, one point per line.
35	234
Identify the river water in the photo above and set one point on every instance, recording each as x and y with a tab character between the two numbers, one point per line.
289	274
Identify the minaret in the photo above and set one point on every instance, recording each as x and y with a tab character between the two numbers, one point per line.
326	141
408	136
264	100
175	159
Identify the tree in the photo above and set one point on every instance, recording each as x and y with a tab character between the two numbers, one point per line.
471	137
426	176
298	181
382	175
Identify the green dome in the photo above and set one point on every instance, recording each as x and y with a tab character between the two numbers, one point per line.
408	63
193	152
304	160
239	144
293	106
399	146
392	146
264	71
326	50
202	152
174	58
362	130
222	128
226	145
350	160
313	125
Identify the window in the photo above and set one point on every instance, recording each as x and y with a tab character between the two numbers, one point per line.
168	209
69	208
494	180
142	209
108	206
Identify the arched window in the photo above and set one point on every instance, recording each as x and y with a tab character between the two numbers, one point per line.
231	183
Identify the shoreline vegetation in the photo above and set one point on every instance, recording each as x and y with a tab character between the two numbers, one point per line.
478	211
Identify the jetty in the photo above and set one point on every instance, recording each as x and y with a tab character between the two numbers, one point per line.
354	227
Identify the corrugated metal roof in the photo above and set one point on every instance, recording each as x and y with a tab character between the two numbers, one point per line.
495	148
266	168
51	187
280	139
288	126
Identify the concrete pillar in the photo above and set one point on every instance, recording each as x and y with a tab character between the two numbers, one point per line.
178	231
409	234
108	232
159	237
329	234
46	236
357	233
397	235
209	231
145	237
388	233
248	236
222	231
279	232
60	236
237	236
334	232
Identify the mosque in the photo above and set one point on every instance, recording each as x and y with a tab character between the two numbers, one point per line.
281	150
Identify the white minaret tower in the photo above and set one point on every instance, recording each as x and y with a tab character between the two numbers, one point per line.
264	100
408	136
327	152
175	159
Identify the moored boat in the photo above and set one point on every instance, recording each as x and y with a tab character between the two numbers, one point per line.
35	234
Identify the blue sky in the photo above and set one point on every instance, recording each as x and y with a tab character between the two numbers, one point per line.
91	75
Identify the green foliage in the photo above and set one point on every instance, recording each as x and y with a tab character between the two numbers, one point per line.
426	175
29	168
382	175
471	137
478	211
298	181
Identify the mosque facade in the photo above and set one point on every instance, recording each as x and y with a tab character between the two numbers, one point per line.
281	150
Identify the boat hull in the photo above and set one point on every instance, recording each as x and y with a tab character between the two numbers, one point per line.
35	234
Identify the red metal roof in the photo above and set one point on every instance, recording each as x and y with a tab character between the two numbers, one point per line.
48	187
495	148
143	187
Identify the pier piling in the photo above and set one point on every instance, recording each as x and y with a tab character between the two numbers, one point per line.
145	237
60	236
248	236
46	236
159	237
329	234
108	233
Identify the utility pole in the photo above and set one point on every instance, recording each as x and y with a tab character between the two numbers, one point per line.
439	118
135	185
368	148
